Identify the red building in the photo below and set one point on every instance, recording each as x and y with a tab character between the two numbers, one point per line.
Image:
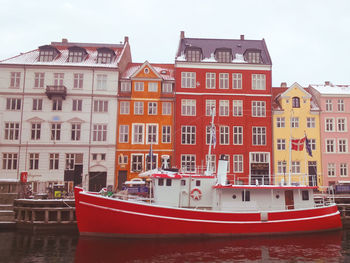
234	77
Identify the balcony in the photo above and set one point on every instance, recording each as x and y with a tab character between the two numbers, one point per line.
56	91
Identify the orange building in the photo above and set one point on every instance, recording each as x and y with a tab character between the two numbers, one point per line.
145	119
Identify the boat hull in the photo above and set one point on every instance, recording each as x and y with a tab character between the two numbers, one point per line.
97	215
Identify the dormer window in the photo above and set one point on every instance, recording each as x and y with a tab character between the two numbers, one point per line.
223	55
295	102
76	54
47	53
105	56
194	54
253	56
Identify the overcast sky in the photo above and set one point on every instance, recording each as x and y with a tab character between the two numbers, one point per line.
308	41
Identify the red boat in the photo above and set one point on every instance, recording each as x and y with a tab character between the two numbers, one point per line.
184	204
199	205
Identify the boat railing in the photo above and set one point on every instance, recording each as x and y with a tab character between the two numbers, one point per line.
130	197
325	198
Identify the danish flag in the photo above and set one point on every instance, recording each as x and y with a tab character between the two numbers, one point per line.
298	144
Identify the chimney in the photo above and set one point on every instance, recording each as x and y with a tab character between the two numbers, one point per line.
283	84
242	37
64	40
126	39
327	83
182	34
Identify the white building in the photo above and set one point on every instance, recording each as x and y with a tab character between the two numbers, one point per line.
58	113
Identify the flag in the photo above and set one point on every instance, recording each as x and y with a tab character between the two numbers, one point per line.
298	144
308	146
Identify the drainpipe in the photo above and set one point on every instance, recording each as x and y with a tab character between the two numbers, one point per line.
21	125
90	129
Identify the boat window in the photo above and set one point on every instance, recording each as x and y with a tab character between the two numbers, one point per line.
233	196
183	182
198	183
168	182
305	195
160	181
245	196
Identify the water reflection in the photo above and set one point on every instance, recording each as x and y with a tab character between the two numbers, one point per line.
321	247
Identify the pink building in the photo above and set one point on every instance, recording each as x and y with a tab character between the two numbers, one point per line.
334	101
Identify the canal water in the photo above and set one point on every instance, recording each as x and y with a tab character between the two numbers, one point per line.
19	247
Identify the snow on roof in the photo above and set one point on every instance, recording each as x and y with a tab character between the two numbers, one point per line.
237	46
332	89
31	57
164	70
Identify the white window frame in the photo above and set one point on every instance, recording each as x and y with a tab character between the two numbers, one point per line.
138	135
237	135
331	170
33	159
54	161
209	105
341	105
295	167
77	105
56	131
281	144
138	107
223	81
99	132
124	107
78	81
152	108
310	122
35	131
188	134
75	131
280	122
343	170
39	80
237	108
9	161
294	122
210	80
13	104
123	133
188	107
258	108
258	135
166	108
329	124
152	130
329	105
138	162
166	134
224	132
238	163
188	80
330	145
101	82
167	87
15	80
11	131
125	86
342	124
224	108
236	81
100	105
153	86
37	104
342	145
258	82
188	163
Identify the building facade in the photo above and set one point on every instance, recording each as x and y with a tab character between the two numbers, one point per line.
296	115
234	77
59	113
145	119
334	101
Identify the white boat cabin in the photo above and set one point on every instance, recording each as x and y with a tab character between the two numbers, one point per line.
213	193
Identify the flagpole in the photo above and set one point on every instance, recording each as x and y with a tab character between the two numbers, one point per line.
290	148
305	155
208	171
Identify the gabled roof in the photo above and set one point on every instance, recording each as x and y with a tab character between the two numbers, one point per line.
237	46
31	57
279	92
164	71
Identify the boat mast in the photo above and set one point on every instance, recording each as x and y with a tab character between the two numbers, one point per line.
212	135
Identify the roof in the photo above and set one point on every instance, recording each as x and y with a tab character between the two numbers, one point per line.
278	91
31	57
237	46
166	71
330	89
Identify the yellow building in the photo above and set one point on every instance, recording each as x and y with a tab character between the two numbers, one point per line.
296	116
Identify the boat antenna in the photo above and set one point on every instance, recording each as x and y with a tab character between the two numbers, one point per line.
212	141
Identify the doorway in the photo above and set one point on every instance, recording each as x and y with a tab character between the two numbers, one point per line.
97	180
122	176
289	199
